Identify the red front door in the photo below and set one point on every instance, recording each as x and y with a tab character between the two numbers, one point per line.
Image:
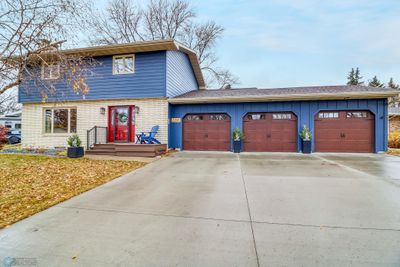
121	124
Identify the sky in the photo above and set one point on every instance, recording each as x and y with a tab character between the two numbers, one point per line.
282	43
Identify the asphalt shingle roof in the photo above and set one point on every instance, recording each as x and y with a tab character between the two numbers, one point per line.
281	91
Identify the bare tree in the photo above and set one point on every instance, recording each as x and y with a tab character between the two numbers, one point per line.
9	102
31	33
124	21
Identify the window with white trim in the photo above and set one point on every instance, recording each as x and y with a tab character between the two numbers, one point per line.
50	72
124	64
328	115
59	120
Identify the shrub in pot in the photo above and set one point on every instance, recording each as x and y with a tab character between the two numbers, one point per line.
74	150
237	137
305	136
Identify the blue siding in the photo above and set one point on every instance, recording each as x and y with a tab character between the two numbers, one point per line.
304	110
149	80
180	76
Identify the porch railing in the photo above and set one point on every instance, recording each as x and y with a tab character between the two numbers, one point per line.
97	135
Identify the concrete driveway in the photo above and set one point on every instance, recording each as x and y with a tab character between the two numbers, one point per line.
220	209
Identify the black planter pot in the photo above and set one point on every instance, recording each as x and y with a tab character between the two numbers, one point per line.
237	146
75	152
306	146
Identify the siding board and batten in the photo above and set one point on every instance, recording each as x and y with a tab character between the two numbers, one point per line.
304	110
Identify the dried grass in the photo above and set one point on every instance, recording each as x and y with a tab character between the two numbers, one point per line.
29	184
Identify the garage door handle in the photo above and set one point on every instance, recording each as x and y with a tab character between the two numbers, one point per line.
268	136
342	135
206	135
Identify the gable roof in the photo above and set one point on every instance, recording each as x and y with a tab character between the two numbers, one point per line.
283	94
146	46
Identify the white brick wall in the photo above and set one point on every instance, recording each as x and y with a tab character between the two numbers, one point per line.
152	112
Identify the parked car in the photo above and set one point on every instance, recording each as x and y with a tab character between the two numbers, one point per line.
14	136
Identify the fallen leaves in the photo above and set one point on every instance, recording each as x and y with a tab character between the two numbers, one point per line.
29	184
395	152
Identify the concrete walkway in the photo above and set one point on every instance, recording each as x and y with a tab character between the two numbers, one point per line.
220	209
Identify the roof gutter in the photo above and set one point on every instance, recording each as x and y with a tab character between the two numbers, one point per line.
290	97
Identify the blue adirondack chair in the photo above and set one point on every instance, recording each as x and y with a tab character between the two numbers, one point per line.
149	139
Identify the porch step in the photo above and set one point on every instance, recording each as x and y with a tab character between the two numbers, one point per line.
128	149
103	146
100	152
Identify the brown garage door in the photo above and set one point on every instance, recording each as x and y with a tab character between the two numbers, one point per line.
344	131
209	132
275	132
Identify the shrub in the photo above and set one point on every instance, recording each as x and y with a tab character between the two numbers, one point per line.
394	140
237	134
3	133
74	141
305	134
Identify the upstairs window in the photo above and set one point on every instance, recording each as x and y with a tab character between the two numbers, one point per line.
50	72
124	64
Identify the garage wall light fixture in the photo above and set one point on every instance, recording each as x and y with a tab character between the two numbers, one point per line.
102	111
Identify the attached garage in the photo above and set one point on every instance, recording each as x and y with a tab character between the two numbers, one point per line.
207	132
344	131
341	118
270	132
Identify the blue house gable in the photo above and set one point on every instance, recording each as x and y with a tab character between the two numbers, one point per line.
157	74
180	78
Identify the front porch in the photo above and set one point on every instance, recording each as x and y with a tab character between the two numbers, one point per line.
100	143
127	149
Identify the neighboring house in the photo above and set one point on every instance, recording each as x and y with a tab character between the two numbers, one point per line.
11	120
394	119
161	84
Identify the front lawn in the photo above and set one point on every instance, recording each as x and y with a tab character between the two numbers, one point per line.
395	152
29	184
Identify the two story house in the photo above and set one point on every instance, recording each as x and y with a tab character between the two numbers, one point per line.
128	94
139	85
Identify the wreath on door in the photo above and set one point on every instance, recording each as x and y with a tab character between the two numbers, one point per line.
123	117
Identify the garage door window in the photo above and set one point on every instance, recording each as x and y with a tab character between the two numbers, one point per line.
357	114
283	116
328	115
218	117
256	116
194	117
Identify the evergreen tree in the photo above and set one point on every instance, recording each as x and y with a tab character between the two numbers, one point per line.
351	78
393	85
358	77
354	77
375	82
394	101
